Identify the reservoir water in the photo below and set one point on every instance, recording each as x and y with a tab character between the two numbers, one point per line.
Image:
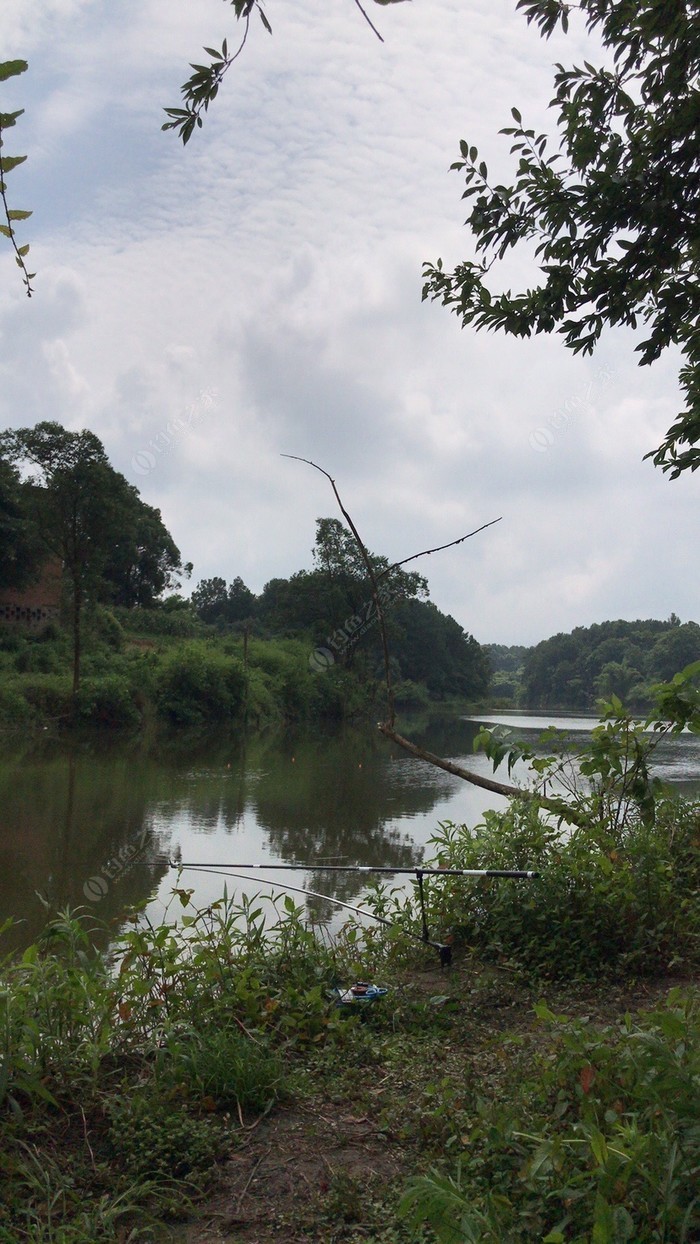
92	823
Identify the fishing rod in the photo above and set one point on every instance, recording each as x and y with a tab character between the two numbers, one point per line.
313	866
444	949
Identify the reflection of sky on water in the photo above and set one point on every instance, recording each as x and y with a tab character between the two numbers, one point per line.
676	758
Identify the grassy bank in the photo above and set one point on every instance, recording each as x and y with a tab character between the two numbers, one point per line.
134	678
146	667
202	1083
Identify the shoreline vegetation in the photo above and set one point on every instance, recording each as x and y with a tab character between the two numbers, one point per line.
199	1082
164	666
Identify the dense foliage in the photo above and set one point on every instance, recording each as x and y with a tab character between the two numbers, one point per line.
171	672
155	1063
598	1142
621	901
20	554
622	658
128	1083
506	662
331	607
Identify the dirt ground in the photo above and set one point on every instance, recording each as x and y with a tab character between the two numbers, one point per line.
307	1165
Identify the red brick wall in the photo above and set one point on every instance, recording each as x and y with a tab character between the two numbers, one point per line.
38	603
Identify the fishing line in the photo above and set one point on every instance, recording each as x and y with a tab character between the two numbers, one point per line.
444	950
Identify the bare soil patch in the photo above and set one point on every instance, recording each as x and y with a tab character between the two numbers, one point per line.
306	1172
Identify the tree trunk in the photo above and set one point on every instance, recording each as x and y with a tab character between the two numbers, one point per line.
77	611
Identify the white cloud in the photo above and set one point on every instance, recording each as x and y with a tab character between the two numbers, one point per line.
277	261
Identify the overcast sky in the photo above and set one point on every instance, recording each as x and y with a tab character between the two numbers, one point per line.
206	310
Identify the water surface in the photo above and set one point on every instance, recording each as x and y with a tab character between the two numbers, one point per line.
93	823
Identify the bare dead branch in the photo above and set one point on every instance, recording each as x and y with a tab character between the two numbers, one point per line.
370	23
558	806
440	547
372	578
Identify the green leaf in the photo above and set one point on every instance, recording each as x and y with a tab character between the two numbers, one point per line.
599	1147
10	68
10	162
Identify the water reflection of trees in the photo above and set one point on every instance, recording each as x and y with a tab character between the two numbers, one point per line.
71	813
68	818
334	799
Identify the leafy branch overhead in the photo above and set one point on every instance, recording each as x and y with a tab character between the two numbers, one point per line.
10	69
202	87
609	210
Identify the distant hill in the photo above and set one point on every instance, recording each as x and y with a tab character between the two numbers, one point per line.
577	669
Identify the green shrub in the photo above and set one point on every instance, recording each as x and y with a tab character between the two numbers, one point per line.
198	683
180	623
37	659
14	709
261	705
12	639
603	1146
632	903
106	627
285	664
155	1139
56	1005
107	701
410	694
49	696
226	1067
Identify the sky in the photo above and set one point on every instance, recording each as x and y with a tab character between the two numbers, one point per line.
206	310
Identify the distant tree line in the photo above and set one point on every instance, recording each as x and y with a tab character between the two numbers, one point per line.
590	663
332	606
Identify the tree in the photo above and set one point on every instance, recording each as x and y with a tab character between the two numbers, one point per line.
432	648
110	543
241	601
143	561
215	603
678	647
19	551
624	658
612	211
337	556
209	599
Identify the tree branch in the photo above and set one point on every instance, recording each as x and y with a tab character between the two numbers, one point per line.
370	23
559	806
372	578
440	547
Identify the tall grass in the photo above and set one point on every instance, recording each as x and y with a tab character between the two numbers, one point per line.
124	1079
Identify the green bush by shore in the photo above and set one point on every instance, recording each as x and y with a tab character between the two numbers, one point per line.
192	678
